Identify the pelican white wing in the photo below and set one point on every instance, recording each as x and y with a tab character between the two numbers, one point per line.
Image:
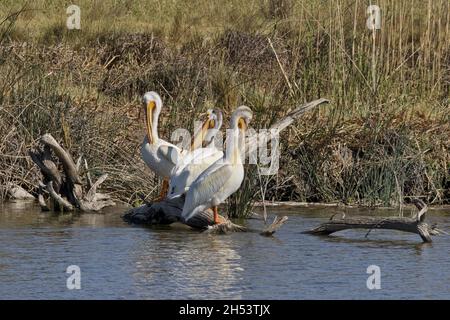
161	157
215	184
190	167
223	177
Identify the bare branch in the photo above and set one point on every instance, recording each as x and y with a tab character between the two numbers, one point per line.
88	175
78	165
41	199
422	207
274	226
91	193
58	199
411	225
48	168
69	166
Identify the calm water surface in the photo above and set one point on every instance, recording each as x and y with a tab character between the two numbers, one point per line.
120	261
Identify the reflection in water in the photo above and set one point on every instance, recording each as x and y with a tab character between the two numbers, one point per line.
372	242
120	261
188	265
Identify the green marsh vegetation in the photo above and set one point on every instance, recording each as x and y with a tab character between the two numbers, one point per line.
384	138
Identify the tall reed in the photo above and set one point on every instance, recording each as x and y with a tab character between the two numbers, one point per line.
383	139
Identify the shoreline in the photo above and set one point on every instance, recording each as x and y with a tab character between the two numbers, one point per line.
285	204
295	204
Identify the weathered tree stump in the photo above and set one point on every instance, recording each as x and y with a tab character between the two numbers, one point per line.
416	224
169	211
65	191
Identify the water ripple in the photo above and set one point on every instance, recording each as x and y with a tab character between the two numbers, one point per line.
119	261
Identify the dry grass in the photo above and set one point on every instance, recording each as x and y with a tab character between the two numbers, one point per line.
385	137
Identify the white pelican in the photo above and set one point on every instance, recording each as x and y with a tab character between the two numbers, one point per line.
159	155
197	161
223	177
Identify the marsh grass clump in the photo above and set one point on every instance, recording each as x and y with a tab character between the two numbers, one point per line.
383	139
247	50
278	9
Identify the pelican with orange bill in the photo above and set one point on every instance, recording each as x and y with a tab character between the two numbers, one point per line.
159	155
222	178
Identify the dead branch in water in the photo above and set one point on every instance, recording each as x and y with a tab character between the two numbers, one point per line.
274	226
169	211
65	189
413	225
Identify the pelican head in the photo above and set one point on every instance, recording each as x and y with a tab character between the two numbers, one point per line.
241	117
215	120
209	129
152	106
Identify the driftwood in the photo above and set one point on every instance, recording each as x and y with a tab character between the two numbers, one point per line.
415	224
16	192
166	212
65	191
169	211
274	226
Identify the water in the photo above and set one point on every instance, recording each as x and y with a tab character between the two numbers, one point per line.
119	261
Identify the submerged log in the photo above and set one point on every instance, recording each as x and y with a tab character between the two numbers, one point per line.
169	211
166	212
415	225
65	190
